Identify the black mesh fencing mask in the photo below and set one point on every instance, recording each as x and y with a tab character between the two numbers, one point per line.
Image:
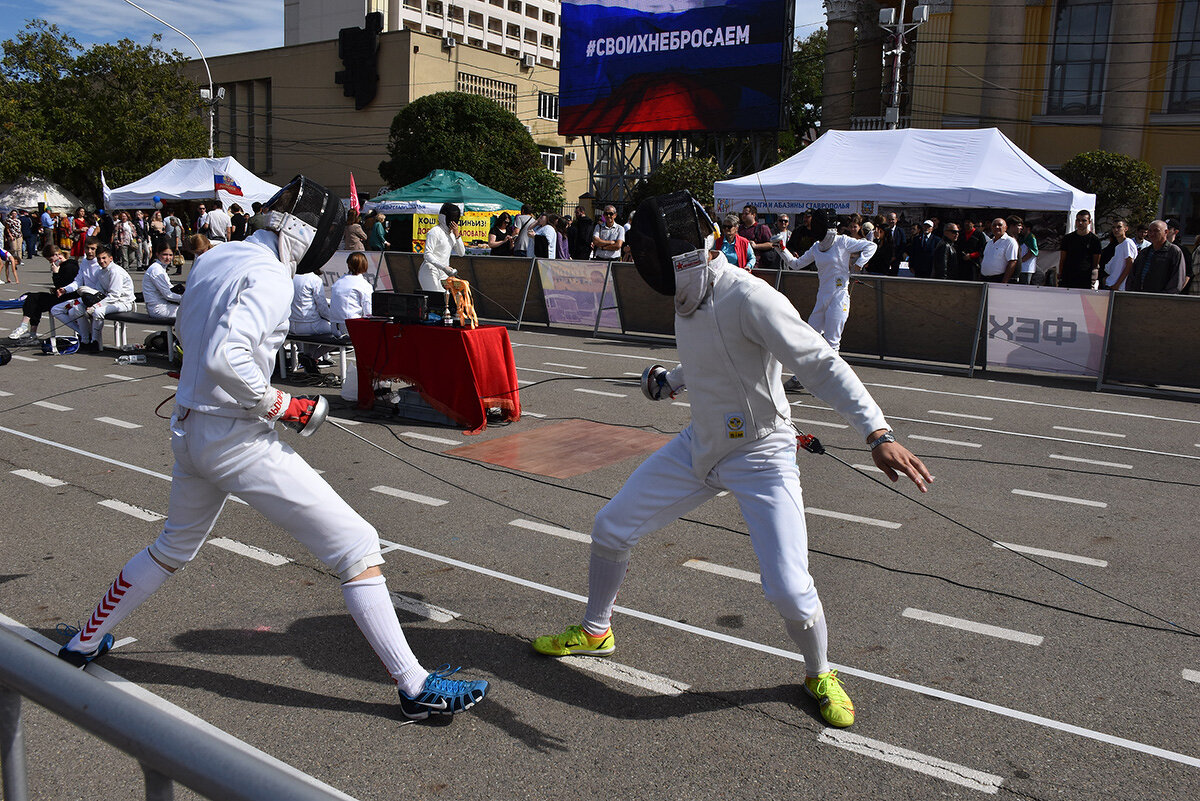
314	207
664	227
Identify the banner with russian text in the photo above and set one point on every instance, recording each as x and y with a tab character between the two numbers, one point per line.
473	227
1046	328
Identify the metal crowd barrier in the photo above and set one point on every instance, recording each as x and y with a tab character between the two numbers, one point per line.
167	748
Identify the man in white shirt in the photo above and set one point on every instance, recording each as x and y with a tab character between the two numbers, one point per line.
113	292
550	235
1124	253
218	224
1000	256
441	242
608	238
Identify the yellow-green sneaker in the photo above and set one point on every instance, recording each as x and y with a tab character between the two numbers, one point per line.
836	706
576	641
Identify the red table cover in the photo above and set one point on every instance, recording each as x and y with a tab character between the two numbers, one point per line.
458	371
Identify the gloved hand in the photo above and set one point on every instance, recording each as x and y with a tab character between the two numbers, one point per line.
90	299
303	413
178	288
654	383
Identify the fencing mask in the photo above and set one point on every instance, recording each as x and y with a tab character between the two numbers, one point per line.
670	238
450	212
823	229
310	221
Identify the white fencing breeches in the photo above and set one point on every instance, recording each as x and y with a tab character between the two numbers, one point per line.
219	456
829	313
761	475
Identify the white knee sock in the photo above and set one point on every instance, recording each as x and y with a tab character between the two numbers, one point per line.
604	580
136	582
372	609
813	638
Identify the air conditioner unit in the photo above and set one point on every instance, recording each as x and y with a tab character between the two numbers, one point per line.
570	156
449	42
527	61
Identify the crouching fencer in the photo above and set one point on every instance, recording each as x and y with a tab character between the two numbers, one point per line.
732	331
232	321
109	290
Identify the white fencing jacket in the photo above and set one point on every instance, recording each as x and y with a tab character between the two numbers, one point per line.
232	320
833	265
160	299
730	351
351	299
115	283
308	299
440	245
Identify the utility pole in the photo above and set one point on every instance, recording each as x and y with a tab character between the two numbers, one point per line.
895	25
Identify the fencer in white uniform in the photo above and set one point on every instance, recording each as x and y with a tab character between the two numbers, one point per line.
442	242
108	290
351	294
310	315
732	331
232	321
162	301
836	256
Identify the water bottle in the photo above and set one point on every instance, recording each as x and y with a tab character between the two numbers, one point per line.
135	358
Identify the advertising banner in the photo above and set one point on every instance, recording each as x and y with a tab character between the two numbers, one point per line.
1046	328
573	292
474	227
659	66
733	205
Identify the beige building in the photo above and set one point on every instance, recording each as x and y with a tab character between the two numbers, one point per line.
1058	77
516	28
283	114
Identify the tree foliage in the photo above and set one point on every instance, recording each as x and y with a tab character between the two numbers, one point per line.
808	75
1123	185
696	175
67	112
471	134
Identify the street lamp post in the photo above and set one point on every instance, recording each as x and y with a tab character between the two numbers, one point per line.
209	98
894	24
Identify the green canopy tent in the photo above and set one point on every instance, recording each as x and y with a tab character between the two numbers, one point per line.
427	195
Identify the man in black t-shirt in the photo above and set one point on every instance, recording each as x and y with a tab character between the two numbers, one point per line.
1079	262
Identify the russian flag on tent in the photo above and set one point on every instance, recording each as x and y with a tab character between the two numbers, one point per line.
225	183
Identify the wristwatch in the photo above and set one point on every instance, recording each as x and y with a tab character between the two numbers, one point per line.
886	436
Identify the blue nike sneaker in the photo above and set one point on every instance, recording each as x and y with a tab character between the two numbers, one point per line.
442	695
76	658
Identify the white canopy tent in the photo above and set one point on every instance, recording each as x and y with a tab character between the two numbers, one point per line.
192	179
29	191
855	171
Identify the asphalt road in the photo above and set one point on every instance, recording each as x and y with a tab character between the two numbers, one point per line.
974	670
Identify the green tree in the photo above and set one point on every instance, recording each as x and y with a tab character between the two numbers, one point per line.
471	134
67	113
696	175
1123	185
808	75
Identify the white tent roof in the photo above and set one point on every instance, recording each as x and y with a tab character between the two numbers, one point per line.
28	192
192	179
956	168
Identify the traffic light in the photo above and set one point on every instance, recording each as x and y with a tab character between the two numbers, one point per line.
358	48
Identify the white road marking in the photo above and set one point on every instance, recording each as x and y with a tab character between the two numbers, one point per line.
1035	403
688	406
588	352
550	372
1063	498
598	392
429	438
345	421
970	625
638	678
635	375
869	468
54	407
818	423
48	481
523	383
870	521
121	377
1191	675
4	394
409	496
132	511
74	367
565	533
187	718
19	358
1066	557
1117	465
723	570
921	763
1088	431
965	416
112	421
531	414
568	366
121	643
813	406
428	611
945	441
251	551
171	387
722	493
879	678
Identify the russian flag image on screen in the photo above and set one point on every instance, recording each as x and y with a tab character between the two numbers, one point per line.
660	66
225	183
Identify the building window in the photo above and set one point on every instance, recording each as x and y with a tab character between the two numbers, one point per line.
547	41
415	5
548	17
503	93
514	6
1181	201
547	106
434	7
456	13
531	35
514	30
552	157
1185	78
530	11
475	20
1077	57
495	25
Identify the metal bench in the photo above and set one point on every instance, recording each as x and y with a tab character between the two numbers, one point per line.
289	357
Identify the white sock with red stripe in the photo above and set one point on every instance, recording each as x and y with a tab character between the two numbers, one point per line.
136	582
372	609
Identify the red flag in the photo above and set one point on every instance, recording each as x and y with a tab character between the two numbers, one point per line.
354	195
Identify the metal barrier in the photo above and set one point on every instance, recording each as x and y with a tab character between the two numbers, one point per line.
168	749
